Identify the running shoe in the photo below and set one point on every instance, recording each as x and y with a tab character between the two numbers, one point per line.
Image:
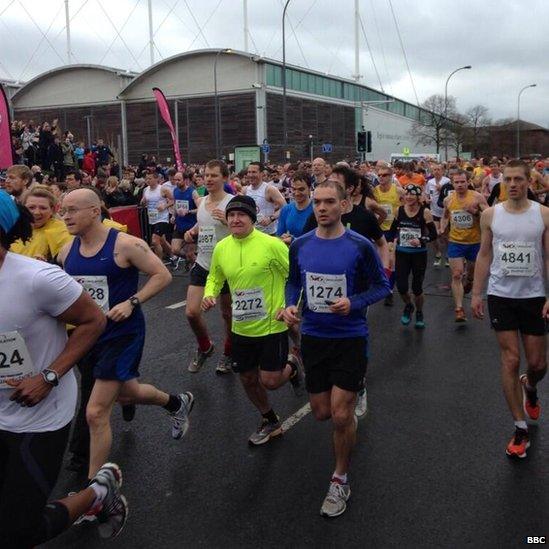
265	432
113	513
180	418
298	379
389	300
446	263
532	407
175	260
437	261
518	444
407	314
336	500
199	359
361	407
224	366
460	315
420	322
128	412
467	287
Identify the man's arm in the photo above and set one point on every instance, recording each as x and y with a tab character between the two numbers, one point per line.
135	252
484	259
383	251
275	197
89	324
445	217
216	276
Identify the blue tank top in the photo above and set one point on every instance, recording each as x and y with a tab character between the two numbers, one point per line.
122	284
186	222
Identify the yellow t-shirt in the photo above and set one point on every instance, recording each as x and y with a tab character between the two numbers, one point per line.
464	226
390	202
111	224
46	242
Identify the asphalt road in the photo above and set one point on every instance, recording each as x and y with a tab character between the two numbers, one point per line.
429	469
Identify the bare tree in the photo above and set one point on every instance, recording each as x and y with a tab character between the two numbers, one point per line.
432	127
458	133
477	122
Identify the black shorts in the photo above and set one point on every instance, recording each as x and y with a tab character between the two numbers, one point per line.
524	315
199	276
161	229
180	235
334	361
268	353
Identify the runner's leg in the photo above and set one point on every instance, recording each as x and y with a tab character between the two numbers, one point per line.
536	358
456	265
510	364
345	425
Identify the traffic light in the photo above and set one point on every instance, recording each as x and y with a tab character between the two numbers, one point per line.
364	142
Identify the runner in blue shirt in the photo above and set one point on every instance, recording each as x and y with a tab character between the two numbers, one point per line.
293	216
337	274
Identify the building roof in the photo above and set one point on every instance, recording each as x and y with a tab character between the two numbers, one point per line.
523	126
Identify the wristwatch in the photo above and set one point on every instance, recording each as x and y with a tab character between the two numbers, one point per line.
51	377
134	301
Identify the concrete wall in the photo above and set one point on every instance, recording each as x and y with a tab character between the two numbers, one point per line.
70	86
391	133
194	75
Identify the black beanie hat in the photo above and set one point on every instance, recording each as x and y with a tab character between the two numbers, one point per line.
244	204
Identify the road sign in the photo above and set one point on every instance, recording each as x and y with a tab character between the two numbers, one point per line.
327	148
266	148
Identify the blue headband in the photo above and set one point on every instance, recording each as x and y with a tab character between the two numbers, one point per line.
9	212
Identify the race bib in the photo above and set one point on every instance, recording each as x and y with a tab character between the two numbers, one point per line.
517	258
15	362
248	305
462	219
182	204
98	289
407	234
388	210
323	289
153	215
206	239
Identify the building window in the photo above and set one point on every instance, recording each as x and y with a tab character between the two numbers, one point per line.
397	107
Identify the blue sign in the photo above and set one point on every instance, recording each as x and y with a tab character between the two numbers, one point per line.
266	148
327	148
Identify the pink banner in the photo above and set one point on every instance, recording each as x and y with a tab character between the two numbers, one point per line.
164	109
6	155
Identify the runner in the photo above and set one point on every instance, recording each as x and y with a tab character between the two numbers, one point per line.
49	234
267	197
255	266
157	200
338	274
293	216
462	210
494	178
210	228
432	191
38	394
18	179
389	196
185	207
513	254
107	263
412	228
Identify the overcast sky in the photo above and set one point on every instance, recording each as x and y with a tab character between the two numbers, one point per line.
506	41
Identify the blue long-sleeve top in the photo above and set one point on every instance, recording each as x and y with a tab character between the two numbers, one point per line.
325	269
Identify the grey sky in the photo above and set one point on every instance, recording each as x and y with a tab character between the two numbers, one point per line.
506	41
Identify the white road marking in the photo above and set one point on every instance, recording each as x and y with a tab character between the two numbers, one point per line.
177	305
295	418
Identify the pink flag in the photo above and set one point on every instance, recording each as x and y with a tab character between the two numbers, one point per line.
165	113
6	155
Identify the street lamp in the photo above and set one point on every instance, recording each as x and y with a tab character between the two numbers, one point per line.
518	116
446	106
216	103
284	121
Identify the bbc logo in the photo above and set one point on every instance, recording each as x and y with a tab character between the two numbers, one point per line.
535	539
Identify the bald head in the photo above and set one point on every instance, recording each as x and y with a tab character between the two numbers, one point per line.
81	211
319	165
83	198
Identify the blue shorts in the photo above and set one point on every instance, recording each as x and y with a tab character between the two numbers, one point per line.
466	251
118	358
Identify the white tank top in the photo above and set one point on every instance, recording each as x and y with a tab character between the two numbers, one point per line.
493	181
210	231
264	207
517	264
154	198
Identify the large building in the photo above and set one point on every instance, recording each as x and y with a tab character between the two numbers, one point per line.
118	106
